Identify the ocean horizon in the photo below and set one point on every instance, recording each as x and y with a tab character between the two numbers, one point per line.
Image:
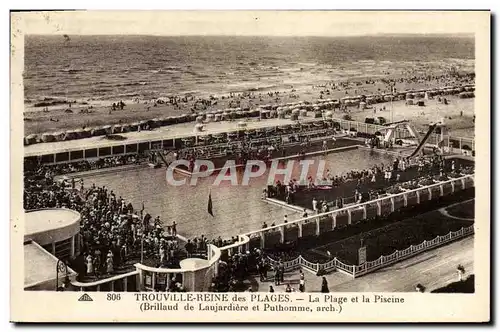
114	67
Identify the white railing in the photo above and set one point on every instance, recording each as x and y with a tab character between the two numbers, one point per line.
367	267
389	200
214	257
244	239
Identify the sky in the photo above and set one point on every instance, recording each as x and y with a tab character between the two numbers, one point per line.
248	23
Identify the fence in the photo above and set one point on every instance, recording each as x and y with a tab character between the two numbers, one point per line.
145	278
383	261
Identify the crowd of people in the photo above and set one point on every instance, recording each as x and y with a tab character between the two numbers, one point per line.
369	183
84	165
112	232
240	267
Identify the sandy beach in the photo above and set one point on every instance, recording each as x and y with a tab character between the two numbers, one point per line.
94	113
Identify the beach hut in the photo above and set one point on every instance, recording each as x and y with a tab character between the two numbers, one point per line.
210	117
31	139
135	126
48	137
79	133
107	129
263	114
318	114
199	119
59	135
421	103
409	102
284	129
329	115
125	128
239	114
218	117
410	96
273	114
362	105
226	116
303	112
242	124
116	129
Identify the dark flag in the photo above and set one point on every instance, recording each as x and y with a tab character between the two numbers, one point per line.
210	204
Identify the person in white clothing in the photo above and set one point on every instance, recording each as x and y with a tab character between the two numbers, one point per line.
315	205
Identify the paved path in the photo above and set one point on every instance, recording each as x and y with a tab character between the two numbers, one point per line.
433	269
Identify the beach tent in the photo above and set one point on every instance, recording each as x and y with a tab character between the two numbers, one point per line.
317	114
218	117
329	115
242	124
225	116
107	129
183	118
125	128
362	105
303	112
48	137
116	129
410	96
254	112
59	135
463	95
135	126
79	133
409	102
210	117
97	131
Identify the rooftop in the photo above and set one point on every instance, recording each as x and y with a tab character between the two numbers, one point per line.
161	133
49	219
39	265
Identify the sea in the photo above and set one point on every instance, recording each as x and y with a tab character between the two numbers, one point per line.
102	68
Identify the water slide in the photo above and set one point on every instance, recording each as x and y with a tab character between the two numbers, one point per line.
424	140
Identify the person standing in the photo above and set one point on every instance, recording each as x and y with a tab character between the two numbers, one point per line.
324	286
302	282
90	265
315	205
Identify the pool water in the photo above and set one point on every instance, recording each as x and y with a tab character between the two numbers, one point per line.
237	209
